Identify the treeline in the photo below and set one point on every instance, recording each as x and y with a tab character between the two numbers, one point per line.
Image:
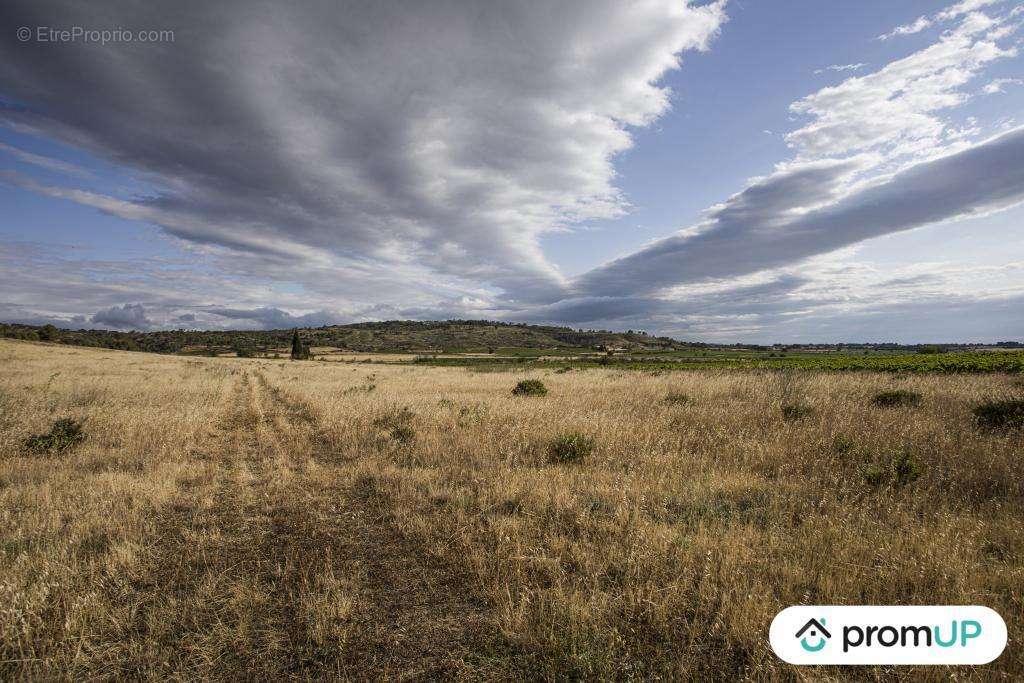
419	336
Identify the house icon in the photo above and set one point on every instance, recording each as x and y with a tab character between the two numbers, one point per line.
817	630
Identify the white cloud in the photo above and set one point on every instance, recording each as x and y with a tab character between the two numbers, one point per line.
48	163
900	103
998	85
841	67
964	7
948	14
920	24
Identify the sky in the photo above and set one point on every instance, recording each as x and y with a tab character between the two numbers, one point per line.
793	171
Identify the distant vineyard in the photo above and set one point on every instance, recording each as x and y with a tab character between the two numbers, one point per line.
970	361
950	363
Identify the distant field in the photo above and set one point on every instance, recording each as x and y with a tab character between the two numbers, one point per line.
877	361
265	519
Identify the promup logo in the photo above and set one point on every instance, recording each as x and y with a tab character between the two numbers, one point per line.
817	630
888	635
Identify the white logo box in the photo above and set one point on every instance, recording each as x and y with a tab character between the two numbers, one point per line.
876	634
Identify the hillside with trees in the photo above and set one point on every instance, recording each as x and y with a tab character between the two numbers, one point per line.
390	336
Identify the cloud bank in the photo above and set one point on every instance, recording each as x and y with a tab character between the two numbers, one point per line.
329	162
449	135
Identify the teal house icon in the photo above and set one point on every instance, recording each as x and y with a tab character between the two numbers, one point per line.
818	635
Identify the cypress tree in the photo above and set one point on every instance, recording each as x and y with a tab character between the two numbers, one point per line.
298	352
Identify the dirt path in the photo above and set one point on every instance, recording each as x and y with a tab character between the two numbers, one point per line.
277	566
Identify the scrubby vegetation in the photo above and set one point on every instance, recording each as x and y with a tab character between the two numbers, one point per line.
64	434
1001	414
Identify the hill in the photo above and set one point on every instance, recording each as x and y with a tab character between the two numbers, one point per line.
388	336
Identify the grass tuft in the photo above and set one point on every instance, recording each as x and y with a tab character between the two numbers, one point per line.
894	469
403	433
896	398
796	411
679	399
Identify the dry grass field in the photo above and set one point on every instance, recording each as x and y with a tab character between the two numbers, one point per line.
261	519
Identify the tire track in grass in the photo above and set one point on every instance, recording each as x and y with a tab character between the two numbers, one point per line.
214	600
267	568
414	618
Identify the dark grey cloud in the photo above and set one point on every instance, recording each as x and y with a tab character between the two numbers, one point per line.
126	317
752	231
275	318
622	311
450	133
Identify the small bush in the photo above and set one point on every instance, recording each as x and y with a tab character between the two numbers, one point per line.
896	469
64	434
403	433
571	448
843	445
1000	414
530	387
397	418
679	399
796	411
563	370
896	398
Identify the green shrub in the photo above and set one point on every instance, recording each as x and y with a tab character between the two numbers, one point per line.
64	434
530	387
843	444
896	398
895	469
49	333
796	411
1000	414
571	448
679	399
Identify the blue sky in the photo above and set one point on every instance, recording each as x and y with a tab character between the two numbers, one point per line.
787	171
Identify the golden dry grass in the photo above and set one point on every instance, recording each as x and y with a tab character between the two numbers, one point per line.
239	519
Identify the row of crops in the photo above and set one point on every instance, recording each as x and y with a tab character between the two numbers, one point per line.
967	361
